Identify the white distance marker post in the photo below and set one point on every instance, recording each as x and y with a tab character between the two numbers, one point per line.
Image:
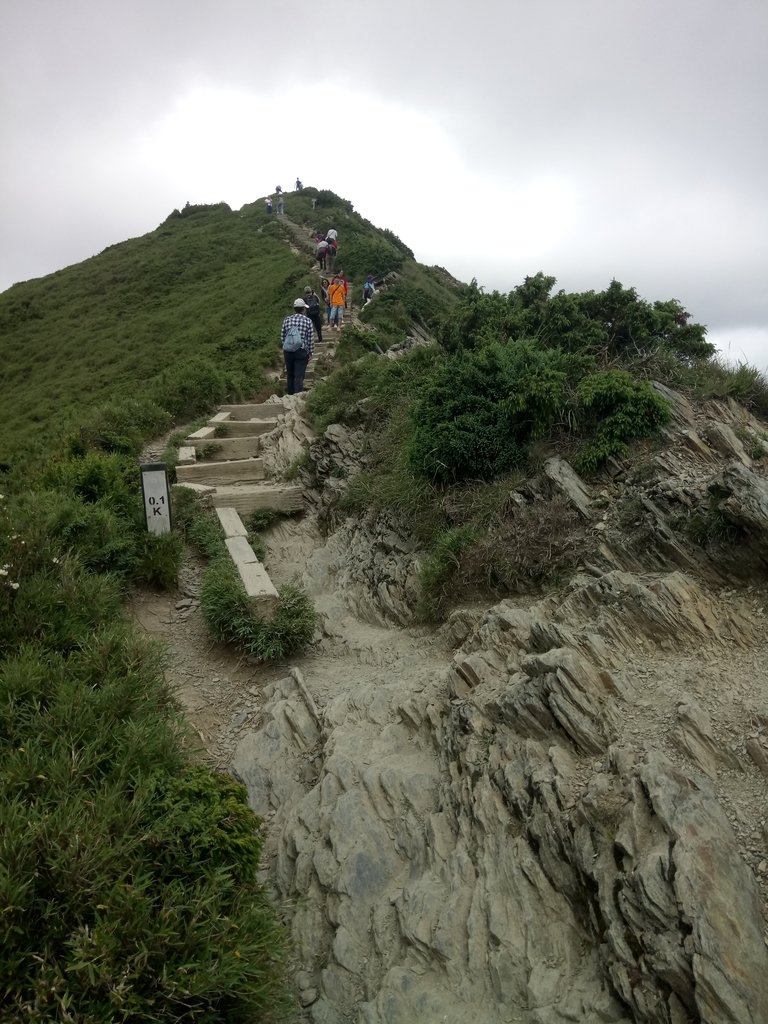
157	501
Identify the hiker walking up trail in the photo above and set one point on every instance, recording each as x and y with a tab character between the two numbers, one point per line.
345	282
322	253
337	294
313	310
324	286
268	204
298	344
280	203
299	186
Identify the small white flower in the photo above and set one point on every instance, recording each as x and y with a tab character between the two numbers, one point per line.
55	561
14	586
3	571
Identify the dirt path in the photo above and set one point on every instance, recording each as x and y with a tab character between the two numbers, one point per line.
221	692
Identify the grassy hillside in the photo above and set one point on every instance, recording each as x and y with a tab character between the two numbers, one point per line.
128	875
105	327
206	277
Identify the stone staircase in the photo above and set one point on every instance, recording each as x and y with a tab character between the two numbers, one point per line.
221	461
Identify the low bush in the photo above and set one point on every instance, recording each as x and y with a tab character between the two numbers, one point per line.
616	409
481	409
231	618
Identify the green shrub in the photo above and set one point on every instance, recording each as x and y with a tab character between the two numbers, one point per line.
618	409
481	409
159	560
262	518
370	255
120	426
109	478
231	618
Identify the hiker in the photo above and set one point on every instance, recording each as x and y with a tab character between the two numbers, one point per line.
324	286
330	253
322	253
332	235
314	202
313	310
369	290
298	343
299	186
268	204
336	294
345	282
280	203
278	189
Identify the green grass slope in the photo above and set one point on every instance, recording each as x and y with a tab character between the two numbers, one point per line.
106	327
128	874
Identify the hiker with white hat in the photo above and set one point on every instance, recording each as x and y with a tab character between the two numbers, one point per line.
298	343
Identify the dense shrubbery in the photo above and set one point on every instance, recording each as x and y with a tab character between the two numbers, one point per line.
613	323
361	256
479	411
514	379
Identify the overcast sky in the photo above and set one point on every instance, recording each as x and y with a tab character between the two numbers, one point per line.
590	139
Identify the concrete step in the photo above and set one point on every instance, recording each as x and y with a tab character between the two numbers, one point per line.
247	498
260	411
221	449
243	428
239	471
258	586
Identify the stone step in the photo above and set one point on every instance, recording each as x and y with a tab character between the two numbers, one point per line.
221	449
247	498
239	471
187	456
260	589
260	411
231	523
244	428
204	433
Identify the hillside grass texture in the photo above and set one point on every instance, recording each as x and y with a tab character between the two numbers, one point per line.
127	873
105	328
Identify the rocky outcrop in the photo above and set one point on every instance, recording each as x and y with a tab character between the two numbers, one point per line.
491	842
552	810
742	496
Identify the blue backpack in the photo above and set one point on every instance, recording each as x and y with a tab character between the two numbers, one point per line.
293	340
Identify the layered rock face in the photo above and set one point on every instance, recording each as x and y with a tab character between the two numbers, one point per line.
550	811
